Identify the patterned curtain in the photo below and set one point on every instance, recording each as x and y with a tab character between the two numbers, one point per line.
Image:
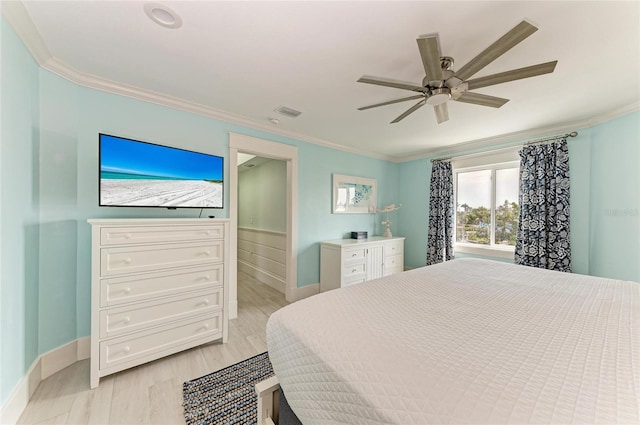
440	238
543	226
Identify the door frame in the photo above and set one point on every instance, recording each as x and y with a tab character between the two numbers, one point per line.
266	149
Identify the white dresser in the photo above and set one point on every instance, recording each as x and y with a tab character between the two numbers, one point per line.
345	262
158	286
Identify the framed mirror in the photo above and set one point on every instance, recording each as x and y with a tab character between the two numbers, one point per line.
353	195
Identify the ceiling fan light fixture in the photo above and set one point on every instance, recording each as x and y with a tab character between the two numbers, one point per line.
439	96
162	15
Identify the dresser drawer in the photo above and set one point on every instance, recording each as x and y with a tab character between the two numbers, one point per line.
151	344
144	287
393	264
395	247
131	318
354	255
121	260
353	269
353	279
160	234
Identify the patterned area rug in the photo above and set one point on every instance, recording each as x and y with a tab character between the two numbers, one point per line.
227	396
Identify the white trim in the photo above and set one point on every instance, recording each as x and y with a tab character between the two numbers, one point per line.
487	251
485	164
305	291
267	278
19	397
20	20
520	136
266	149
43	366
84	348
58	358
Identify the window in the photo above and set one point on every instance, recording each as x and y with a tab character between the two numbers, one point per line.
487	208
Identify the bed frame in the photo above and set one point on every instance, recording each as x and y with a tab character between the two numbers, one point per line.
268	401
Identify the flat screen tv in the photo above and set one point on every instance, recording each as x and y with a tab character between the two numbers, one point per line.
134	173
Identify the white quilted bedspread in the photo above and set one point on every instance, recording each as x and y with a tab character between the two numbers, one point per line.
467	341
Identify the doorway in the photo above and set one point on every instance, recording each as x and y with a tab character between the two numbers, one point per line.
262	232
239	143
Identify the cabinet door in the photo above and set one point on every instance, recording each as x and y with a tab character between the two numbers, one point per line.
375	257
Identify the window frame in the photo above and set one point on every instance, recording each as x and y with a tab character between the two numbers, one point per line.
493	249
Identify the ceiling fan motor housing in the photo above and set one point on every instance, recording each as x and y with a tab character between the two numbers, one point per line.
438	96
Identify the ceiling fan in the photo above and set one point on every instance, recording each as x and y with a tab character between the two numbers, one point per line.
442	84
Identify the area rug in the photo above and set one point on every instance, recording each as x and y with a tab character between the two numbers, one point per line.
228	396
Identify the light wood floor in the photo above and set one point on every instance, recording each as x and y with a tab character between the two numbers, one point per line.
152	393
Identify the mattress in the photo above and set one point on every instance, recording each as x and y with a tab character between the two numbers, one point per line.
466	341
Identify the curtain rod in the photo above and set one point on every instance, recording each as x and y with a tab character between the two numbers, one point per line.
561	136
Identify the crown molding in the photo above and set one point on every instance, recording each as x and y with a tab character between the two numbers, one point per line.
18	17
16	14
521	136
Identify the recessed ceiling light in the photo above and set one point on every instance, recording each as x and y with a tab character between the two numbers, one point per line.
162	15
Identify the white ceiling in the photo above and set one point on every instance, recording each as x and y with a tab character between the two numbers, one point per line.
245	59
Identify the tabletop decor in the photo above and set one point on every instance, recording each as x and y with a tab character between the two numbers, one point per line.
386	210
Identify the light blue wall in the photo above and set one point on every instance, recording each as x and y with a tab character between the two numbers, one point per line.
56	172
604	164
19	203
614	231
49	183
413	217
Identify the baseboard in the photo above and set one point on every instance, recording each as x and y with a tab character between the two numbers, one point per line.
267	278
233	309
44	366
305	291
19	397
84	348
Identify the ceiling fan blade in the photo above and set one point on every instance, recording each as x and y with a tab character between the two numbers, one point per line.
442	112
429	47
410	110
390	102
482	99
515	74
387	82
491	53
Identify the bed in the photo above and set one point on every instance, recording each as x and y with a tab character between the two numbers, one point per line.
466	341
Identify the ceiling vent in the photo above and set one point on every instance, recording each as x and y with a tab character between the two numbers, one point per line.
287	112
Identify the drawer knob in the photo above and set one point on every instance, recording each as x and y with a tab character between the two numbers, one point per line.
126	320
354	254
126	349
207	252
127	235
207	277
354	270
127	290
206	326
206	301
127	260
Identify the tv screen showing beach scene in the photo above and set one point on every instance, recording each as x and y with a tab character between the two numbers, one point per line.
141	174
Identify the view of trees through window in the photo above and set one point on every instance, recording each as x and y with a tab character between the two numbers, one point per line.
481	195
